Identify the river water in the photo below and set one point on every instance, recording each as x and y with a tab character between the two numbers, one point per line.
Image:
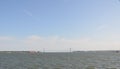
73	60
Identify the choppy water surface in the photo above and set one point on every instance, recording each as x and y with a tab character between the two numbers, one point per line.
79	60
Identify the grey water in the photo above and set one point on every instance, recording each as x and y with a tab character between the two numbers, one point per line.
60	60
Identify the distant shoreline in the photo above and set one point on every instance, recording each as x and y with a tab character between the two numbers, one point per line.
65	52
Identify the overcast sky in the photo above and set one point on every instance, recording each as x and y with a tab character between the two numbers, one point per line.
57	25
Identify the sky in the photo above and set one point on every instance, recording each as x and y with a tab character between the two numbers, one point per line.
57	25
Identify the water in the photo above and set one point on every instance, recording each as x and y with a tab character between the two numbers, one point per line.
74	60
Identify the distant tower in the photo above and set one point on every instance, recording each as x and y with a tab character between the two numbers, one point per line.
70	50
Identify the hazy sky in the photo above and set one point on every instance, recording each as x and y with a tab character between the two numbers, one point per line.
57	25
